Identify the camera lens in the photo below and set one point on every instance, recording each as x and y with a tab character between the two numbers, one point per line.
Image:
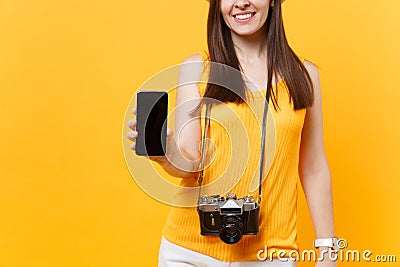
231	230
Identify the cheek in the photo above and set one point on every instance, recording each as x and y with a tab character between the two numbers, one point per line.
224	10
263	11
225	14
264	15
262	3
224	4
226	7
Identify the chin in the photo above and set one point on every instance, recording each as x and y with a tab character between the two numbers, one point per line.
244	33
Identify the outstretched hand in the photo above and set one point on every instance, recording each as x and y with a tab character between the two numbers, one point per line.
133	134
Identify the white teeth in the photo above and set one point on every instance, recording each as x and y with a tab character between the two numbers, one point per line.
244	16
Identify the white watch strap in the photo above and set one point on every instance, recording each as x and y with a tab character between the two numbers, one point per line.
326	242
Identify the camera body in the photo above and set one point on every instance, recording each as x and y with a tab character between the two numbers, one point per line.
228	217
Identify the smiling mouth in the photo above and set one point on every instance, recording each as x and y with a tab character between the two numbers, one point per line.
244	16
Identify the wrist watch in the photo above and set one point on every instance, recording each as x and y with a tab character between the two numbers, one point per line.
327	242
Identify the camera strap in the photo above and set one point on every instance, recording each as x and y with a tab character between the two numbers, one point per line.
203	144
262	153
263	133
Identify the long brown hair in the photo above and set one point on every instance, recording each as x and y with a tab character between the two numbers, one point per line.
282	60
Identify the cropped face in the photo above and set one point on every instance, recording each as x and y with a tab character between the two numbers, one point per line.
245	17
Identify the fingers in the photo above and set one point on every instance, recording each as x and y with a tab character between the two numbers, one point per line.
132	146
132	135
132	124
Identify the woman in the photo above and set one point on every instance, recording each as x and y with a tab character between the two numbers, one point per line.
248	35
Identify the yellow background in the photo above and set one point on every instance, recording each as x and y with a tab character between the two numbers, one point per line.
68	70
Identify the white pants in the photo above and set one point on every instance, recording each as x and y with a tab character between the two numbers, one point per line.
171	255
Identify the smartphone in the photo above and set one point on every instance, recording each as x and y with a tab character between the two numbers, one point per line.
151	117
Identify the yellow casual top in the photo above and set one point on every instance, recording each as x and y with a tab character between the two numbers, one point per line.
233	157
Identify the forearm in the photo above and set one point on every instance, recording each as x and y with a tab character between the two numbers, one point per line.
318	192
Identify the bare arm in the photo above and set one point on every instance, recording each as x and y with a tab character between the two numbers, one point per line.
313	166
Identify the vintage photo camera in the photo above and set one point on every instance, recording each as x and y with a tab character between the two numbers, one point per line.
228	217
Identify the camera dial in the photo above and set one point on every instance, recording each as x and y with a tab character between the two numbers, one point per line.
249	199
231	196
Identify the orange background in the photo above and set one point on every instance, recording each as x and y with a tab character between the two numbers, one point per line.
68	70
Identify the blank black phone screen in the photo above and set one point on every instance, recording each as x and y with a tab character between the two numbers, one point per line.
151	116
